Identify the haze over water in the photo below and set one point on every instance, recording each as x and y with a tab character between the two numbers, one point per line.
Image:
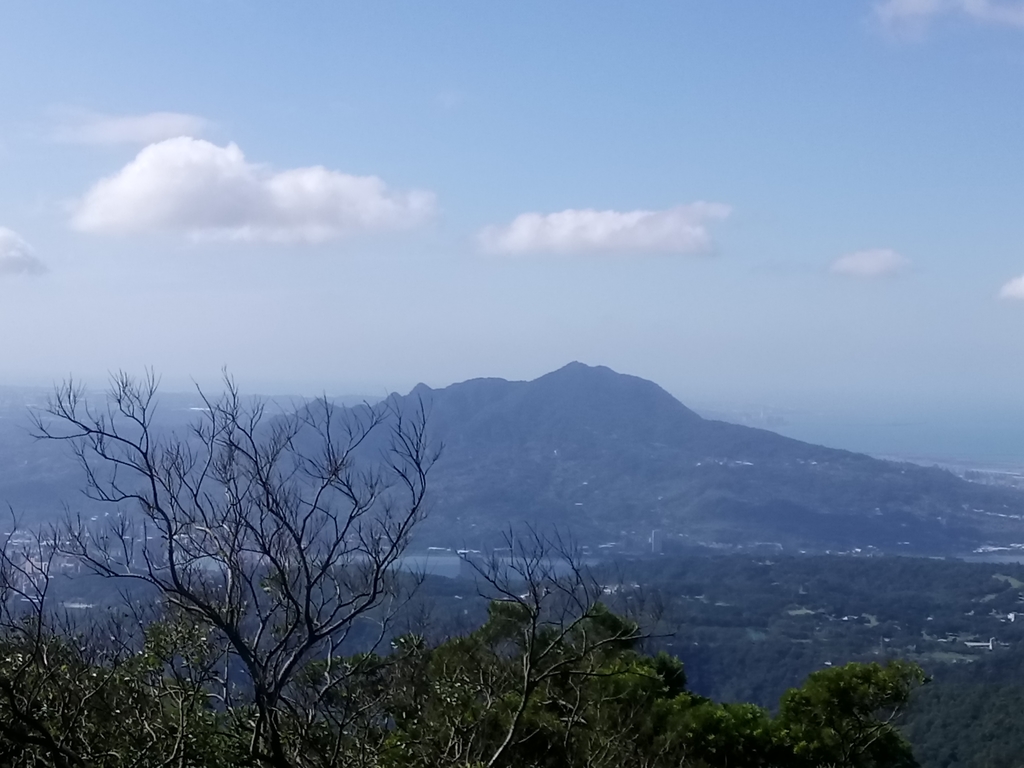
974	436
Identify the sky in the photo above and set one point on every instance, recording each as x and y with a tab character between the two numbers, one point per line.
785	202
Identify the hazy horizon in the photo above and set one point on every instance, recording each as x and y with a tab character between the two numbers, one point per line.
971	434
813	206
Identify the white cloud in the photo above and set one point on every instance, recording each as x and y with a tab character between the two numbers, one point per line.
16	256
1014	289
894	12
876	262
900	13
93	128
192	187
682	229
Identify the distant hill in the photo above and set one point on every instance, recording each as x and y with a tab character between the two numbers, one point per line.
612	457
39	478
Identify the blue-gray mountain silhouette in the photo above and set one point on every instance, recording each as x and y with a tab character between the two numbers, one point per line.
611	457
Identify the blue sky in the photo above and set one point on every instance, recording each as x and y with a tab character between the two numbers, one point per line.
785	202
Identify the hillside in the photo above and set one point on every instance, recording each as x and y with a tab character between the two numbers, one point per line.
613	457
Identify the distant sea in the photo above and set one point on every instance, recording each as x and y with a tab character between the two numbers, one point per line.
972	437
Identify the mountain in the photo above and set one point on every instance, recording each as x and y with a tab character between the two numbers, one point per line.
612	457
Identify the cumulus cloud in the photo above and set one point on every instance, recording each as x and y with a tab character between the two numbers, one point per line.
1014	289
16	256
94	128
900	13
682	229
192	187
875	262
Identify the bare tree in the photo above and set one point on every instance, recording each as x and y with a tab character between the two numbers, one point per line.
24	659
75	693
493	697
563	627
277	535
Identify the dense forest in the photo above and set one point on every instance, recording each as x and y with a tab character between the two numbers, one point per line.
763	625
749	629
969	715
462	643
523	690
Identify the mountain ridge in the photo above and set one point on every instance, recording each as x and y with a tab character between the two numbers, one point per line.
612	456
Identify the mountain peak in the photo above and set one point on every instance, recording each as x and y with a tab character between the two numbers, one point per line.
577	366
421	390
605	388
577	371
615	456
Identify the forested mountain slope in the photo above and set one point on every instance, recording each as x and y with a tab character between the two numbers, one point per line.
612	457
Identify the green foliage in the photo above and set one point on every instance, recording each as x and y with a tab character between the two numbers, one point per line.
970	715
515	692
614	706
846	715
58	706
